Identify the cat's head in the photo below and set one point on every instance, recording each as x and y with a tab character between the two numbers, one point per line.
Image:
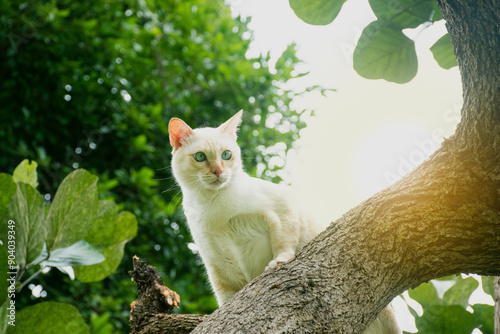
205	158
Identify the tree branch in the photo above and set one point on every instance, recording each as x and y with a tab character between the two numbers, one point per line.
149	312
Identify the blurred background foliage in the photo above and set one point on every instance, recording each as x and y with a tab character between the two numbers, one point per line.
93	84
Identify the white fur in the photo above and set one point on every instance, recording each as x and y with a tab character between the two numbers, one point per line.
241	225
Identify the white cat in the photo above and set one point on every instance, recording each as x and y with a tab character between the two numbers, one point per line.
241	225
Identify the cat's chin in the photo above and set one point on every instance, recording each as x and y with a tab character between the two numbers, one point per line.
216	185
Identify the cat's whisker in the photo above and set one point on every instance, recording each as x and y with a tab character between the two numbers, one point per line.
163	179
176	199
172	187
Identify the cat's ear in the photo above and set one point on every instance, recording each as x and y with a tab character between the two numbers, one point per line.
231	126
178	130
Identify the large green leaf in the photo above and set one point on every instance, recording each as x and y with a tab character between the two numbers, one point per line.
460	292
26	172
80	253
73	210
425	294
4	269
484	315
437	15
4	316
403	13
7	190
103	230
109	234
451	319
386	53
487	283
317	12
49	317
26	214
442	51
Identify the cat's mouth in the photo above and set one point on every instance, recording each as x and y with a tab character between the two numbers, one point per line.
214	183
217	183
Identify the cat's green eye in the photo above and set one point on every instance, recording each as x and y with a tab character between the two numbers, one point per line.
200	156
226	155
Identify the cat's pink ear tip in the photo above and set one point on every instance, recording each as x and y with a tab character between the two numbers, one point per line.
177	130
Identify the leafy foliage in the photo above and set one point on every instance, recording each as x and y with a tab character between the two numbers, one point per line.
442	51
49	317
93	85
317	12
383	50
450	314
28	244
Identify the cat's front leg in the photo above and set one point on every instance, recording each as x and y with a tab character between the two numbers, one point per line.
222	289
223	292
283	240
282	257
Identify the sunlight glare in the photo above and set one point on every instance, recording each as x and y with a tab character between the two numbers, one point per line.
387	153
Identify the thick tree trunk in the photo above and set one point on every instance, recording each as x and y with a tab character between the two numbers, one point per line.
442	219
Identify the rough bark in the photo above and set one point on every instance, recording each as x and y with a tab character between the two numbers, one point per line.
441	219
149	313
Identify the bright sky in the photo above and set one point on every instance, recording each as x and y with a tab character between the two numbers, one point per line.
369	132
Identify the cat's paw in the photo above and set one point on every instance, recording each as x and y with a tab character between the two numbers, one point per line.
283	257
273	264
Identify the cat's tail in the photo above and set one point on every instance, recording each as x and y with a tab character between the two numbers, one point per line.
385	323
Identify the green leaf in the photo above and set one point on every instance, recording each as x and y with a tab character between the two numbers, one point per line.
4	314
412	311
26	214
425	294
4	269
484	315
403	13
442	51
49	317
109	234
460	292
80	253
385	53
7	190
317	12
436	15
101	324
73	211
450	319
26	172
487	283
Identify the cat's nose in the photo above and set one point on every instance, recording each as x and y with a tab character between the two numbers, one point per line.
217	172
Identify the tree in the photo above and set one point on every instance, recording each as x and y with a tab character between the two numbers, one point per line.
93	85
441	219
